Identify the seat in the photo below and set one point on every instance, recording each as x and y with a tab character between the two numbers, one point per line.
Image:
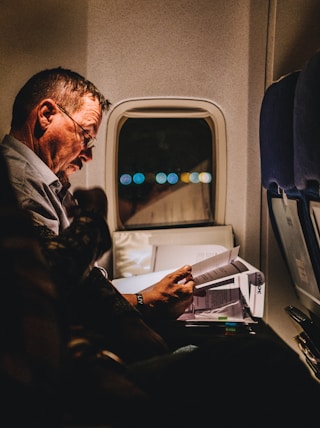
286	203
307	160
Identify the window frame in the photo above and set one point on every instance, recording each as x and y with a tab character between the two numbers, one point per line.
167	108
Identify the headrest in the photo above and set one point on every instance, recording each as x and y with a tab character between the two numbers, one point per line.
307	124
276	133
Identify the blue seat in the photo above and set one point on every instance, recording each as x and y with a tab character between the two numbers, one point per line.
286	202
307	126
307	162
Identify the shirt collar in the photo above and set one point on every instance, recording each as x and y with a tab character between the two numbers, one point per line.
35	162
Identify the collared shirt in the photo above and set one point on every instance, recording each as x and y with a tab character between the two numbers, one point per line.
40	192
38	189
88	298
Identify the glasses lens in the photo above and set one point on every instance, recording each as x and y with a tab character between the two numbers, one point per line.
89	144
88	141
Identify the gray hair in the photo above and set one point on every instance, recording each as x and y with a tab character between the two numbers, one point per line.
65	86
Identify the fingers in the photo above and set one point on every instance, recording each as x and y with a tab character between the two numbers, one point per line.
183	277
181	273
199	293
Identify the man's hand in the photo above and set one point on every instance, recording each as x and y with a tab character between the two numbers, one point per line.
171	296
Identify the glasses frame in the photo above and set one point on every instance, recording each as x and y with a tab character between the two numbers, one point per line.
89	140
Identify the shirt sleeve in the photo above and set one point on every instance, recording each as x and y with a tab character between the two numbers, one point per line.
72	254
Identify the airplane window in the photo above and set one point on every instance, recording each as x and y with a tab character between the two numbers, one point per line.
165	172
166	164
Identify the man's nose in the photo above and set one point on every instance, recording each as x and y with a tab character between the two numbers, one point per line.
86	155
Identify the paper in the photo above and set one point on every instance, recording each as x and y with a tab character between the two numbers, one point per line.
221	303
138	283
219	266
174	256
225	285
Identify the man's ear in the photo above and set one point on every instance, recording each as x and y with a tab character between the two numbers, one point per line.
47	109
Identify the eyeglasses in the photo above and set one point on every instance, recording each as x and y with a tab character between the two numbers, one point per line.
88	140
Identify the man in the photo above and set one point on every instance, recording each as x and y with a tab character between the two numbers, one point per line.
47	377
55	119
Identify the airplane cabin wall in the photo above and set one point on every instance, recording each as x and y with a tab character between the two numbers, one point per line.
137	48
35	35
182	48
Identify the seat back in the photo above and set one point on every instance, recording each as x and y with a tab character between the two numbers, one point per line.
307	160
286	203
276	134
307	125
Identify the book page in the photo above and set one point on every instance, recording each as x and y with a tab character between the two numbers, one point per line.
219	266
174	256
204	272
223	303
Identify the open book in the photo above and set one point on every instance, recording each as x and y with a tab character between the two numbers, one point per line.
227	287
